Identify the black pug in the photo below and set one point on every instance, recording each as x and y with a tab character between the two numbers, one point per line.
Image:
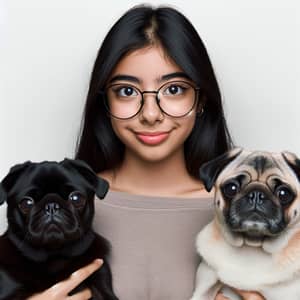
50	209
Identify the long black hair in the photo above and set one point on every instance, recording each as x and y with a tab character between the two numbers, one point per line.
139	27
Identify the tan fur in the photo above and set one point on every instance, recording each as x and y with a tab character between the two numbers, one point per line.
272	265
291	252
216	234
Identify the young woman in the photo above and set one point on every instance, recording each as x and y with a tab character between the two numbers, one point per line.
153	115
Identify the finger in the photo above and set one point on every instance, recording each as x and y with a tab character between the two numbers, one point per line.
249	295
78	276
220	296
83	295
252	296
35	297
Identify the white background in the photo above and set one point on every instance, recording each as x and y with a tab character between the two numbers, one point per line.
47	49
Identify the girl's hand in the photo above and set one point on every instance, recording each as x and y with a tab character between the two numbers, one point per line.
243	294
61	290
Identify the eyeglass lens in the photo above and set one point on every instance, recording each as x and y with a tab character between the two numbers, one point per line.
174	98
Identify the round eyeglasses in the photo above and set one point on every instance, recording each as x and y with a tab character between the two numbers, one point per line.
175	99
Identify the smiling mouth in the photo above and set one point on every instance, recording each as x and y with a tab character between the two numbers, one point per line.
152	138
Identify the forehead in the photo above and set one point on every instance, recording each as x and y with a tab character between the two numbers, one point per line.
261	162
44	174
49	173
259	166
147	64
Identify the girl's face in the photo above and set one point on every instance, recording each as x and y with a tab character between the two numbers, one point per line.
151	135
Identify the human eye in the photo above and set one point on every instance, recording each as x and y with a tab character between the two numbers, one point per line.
174	89
123	91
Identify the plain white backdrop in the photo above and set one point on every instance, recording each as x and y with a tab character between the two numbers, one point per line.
47	50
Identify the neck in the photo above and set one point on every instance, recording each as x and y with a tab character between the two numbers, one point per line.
168	177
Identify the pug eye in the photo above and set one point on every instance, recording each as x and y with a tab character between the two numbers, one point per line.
77	199
230	189
285	195
26	204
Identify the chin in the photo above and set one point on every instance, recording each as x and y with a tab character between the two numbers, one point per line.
158	154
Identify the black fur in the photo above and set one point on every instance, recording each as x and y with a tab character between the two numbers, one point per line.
210	170
44	246
294	163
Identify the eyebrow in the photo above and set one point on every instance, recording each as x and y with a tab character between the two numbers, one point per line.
125	78
175	75
134	79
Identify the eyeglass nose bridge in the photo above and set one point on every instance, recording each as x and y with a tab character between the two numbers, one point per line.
150	92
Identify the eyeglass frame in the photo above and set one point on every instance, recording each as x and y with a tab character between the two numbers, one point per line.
196	89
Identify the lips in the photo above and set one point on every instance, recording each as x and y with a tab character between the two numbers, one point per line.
152	138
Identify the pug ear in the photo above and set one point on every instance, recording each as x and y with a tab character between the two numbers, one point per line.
3	195
210	170
293	161
100	185
9	180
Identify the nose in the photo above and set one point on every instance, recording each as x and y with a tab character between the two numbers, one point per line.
256	198
151	112
52	208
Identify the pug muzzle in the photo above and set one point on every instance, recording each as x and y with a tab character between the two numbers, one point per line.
255	212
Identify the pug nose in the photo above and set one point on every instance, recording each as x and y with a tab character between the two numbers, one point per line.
256	198
52	208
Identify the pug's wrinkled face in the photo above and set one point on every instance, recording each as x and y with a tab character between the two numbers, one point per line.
49	204
256	193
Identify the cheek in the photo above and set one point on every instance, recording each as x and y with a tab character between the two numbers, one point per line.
119	127
16	218
185	126
116	126
293	212
219	202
